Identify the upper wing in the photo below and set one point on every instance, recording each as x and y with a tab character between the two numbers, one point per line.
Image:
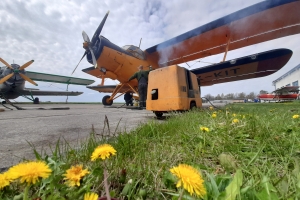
253	66
48	93
261	22
58	79
287	89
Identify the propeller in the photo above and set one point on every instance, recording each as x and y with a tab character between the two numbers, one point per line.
88	44
17	71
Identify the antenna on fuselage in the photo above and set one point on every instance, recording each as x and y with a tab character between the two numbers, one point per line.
140	42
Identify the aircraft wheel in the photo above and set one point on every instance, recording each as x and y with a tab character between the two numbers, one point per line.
36	100
158	114
106	101
3	102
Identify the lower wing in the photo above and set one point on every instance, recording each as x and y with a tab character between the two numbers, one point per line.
110	88
48	93
253	66
36	76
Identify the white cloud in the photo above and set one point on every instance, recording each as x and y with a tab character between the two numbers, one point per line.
50	33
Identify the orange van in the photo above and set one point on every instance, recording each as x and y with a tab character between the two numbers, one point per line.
172	88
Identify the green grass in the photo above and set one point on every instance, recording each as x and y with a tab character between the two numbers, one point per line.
257	157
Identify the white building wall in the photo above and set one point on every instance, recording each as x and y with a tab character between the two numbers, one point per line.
289	78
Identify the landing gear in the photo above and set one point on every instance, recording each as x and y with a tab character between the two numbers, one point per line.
3	102
106	101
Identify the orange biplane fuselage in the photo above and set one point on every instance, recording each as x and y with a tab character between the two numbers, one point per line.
261	22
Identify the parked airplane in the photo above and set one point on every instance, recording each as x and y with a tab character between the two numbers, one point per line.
13	77
287	93
258	23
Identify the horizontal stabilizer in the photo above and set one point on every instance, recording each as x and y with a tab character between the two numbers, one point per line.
48	93
58	79
253	66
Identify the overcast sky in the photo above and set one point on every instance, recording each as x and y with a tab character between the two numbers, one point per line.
49	32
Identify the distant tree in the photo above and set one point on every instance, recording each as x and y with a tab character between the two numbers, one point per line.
251	95
242	95
229	96
209	97
222	96
263	92
218	97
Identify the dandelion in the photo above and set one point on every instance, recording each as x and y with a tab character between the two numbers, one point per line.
29	172
235	121
190	179
74	175
204	129
211	108
295	116
214	115
103	152
244	116
4	180
90	196
233	115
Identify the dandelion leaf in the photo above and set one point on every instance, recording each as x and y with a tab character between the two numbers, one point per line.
233	189
268	192
227	161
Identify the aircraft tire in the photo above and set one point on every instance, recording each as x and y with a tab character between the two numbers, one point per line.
36	100
3	102
106	102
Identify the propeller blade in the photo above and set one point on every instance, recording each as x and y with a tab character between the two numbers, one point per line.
99	29
85	37
26	65
79	62
93	57
28	79
5	78
6	64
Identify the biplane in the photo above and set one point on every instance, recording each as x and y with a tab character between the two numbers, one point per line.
13	77
286	93
258	23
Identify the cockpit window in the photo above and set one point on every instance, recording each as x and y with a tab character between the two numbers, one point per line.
135	51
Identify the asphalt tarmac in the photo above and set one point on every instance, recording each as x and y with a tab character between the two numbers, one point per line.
43	125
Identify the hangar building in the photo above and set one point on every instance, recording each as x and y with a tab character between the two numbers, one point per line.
291	78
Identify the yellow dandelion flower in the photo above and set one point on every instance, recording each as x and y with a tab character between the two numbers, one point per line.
190	179
90	196
204	129
235	121
214	115
4	180
215	112
295	116
244	116
103	152
233	115
211	108
74	175
29	172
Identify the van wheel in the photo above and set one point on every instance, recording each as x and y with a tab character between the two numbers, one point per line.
192	105
106	101
158	114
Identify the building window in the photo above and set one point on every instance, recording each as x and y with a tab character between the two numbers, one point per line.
295	83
